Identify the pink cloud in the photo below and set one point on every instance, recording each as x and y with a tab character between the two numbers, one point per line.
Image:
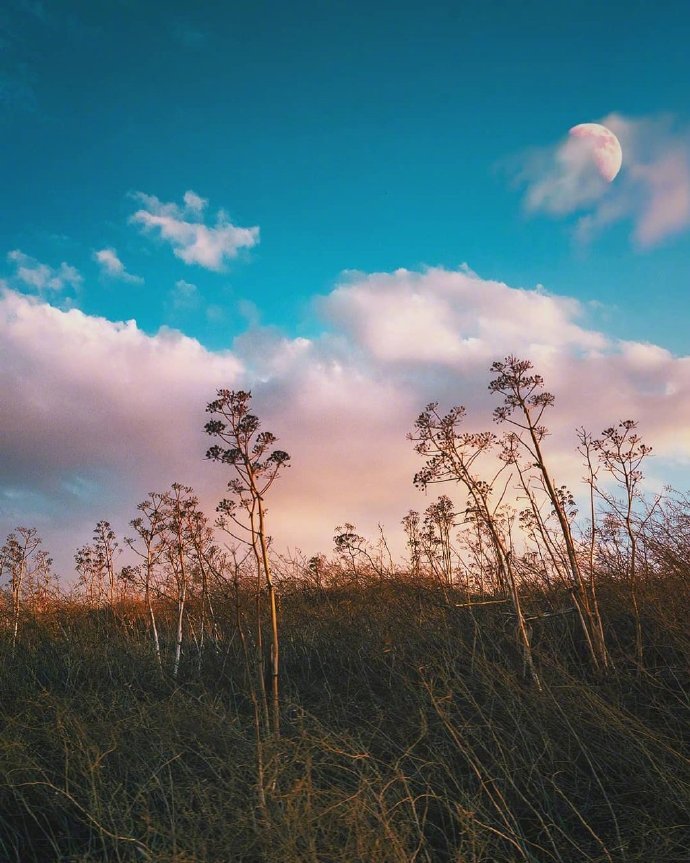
97	414
667	209
462	318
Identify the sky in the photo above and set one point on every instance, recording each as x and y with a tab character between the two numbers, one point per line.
350	209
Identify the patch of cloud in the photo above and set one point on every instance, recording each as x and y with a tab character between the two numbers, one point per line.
42	278
397	318
667	209
100	406
652	191
192	240
111	266
184	296
93	405
570	182
185	299
215	314
250	313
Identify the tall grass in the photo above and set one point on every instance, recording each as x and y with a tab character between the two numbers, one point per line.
409	732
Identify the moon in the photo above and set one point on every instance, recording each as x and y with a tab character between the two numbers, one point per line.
604	147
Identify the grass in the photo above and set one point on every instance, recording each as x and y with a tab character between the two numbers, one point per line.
409	733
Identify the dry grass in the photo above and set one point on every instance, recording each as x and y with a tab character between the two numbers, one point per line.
409	734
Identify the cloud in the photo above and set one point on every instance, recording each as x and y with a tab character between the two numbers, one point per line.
192	240
184	296
113	267
397	318
652	191
667	209
96	414
32	274
569	183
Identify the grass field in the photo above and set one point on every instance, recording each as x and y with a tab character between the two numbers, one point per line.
409	732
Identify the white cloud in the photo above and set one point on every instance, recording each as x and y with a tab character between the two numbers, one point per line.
96	414
667	209
652	190
40	277
462	319
113	267
192	240
569	183
184	296
194	203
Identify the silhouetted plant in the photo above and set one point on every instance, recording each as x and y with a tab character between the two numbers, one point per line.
621	451
95	563
666	538
354	550
150	528
91	583
586	449
451	456
438	524
316	566
256	464
411	525
524	404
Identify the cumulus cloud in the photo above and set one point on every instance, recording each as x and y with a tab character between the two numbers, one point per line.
112	266
41	278
652	191
96	413
192	240
463	319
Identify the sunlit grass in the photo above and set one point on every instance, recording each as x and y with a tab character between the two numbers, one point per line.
409	732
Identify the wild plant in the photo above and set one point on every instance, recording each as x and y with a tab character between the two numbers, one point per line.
28	567
621	451
150	529
524	404
256	466
452	456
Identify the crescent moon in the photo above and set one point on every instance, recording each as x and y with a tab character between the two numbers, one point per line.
604	146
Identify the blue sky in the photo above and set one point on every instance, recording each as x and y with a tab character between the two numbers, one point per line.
356	136
351	208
